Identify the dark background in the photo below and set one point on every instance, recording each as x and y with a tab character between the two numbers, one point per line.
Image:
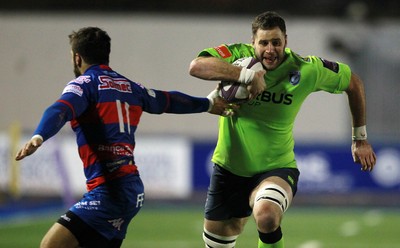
314	8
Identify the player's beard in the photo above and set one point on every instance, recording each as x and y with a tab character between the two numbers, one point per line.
77	72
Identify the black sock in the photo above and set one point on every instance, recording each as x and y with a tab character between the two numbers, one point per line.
271	238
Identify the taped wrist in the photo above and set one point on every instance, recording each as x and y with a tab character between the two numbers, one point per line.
213	94
37	136
359	133
246	75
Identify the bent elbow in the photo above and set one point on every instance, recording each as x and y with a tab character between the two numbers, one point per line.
194	68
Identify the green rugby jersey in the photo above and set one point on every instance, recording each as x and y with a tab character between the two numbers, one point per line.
260	136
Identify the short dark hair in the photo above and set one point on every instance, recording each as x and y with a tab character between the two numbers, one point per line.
268	20
92	43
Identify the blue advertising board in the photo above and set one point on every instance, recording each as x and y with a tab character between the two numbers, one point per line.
323	168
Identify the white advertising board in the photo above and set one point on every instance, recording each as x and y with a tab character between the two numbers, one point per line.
55	169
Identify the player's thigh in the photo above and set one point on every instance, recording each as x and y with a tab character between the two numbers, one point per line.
231	227
60	237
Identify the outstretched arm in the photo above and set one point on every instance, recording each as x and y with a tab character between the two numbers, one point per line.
52	121
212	68
176	102
362	151
182	103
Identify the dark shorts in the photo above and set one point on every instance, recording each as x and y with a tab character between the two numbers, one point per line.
228	194
105	212
86	235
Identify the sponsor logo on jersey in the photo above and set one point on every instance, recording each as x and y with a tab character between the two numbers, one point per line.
117	223
88	205
277	98
119	84
81	80
119	150
223	51
333	66
72	88
294	77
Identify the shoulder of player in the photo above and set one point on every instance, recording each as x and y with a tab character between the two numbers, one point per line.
298	58
241	50
230	52
321	64
309	61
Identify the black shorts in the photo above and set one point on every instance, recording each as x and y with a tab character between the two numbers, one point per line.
86	235
228	194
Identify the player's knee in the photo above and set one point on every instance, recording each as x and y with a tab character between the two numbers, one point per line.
267	220
269	204
217	241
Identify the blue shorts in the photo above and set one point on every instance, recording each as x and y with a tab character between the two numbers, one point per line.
110	207
228	194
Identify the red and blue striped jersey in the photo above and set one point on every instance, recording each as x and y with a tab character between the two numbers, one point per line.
104	109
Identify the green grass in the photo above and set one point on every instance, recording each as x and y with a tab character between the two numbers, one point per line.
181	227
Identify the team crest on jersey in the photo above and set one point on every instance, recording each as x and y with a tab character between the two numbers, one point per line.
294	77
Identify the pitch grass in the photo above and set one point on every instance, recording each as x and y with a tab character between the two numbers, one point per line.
181	227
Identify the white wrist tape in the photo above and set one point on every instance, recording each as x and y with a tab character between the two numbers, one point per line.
246	75
213	94
359	133
37	136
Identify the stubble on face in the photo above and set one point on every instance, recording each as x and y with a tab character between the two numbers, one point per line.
269	46
77	72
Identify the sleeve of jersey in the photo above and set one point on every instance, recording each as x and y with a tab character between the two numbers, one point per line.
333	77
71	104
174	102
230	52
181	103
53	119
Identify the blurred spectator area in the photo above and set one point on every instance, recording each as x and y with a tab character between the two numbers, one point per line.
325	8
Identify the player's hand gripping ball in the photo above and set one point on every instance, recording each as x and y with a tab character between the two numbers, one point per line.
235	92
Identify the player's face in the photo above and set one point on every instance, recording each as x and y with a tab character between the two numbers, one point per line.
76	70
75	65
269	46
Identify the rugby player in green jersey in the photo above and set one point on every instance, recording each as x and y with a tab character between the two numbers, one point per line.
255	168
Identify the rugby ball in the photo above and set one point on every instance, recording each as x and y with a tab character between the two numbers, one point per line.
235	92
